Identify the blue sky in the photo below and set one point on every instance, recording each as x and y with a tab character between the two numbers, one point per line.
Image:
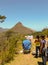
32	13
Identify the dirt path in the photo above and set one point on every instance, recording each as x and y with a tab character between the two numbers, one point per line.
25	59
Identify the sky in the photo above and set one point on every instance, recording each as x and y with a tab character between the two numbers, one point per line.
31	13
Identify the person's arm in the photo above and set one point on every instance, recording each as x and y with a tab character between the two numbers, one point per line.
41	46
35	41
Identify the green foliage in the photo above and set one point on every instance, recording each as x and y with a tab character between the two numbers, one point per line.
10	43
36	33
43	32
2	18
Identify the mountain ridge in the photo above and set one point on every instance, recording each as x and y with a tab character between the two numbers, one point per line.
3	29
20	28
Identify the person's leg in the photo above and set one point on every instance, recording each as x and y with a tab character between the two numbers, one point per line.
39	51
36	51
47	54
44	58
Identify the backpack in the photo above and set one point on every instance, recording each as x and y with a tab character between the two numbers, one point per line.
26	45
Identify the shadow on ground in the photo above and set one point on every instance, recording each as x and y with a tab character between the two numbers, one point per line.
40	63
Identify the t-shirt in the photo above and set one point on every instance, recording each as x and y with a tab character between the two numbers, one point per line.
43	42
37	42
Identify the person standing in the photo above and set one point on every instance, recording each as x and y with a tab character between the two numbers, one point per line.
46	46
43	49
37	42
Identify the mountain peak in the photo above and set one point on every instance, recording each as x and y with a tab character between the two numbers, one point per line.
20	28
19	24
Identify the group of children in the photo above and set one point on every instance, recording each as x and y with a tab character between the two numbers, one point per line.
42	46
41	43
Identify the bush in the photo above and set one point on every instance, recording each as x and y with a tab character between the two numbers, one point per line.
10	43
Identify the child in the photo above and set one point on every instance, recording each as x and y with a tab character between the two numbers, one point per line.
46	46
37	42
43	50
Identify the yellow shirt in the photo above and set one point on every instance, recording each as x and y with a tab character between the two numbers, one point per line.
37	43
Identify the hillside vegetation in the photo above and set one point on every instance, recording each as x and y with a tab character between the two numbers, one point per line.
11	42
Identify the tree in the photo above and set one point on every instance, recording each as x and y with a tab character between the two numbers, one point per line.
2	18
